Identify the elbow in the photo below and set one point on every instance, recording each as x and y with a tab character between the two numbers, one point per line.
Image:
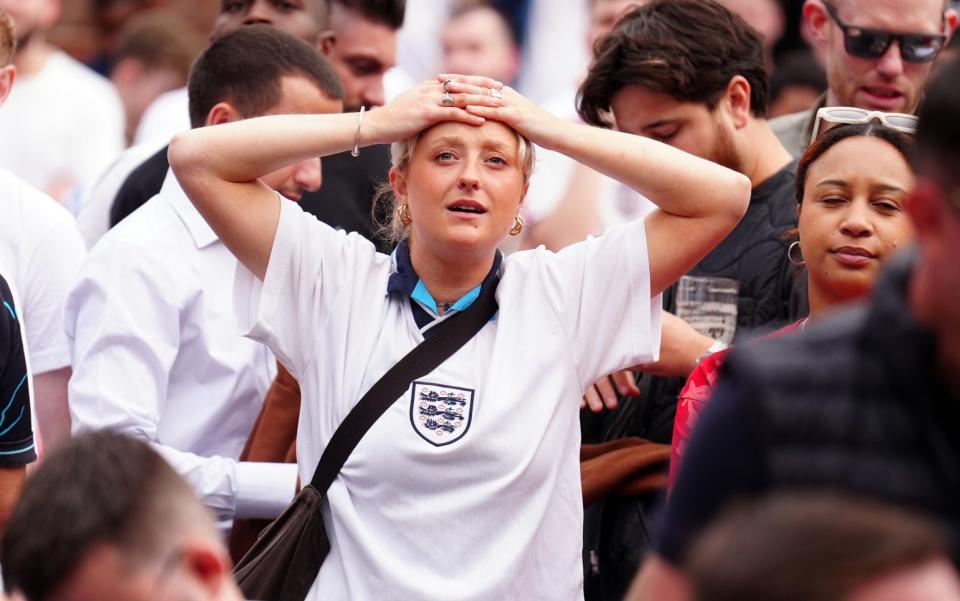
183	154
740	191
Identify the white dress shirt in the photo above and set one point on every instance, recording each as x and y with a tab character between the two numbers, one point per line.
157	354
96	200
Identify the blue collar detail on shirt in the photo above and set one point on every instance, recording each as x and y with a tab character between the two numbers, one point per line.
405	281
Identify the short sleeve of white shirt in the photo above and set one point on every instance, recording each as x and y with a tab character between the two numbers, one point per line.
600	291
40	242
310	265
51	272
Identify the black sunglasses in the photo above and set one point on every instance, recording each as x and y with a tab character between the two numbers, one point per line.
874	43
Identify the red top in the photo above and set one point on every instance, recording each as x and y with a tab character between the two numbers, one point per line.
694	397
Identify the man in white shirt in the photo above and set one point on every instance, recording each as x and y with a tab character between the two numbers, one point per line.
42	252
157	352
63	123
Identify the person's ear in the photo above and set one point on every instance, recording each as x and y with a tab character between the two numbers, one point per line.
737	97
799	209
399	184
207	565
816	20
222	112
326	41
7	75
924	206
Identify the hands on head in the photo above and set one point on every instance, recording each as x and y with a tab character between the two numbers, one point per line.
473	102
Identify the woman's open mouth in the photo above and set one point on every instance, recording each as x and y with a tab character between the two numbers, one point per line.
467	208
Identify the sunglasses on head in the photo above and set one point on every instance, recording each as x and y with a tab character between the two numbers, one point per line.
832	116
874	43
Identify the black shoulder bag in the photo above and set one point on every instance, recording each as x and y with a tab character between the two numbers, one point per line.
284	562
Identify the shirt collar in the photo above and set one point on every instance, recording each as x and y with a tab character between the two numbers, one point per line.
201	233
404	280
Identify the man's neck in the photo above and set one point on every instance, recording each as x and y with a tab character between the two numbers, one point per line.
765	155
32	57
446	280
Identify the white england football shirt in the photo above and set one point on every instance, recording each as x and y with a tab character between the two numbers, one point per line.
490	506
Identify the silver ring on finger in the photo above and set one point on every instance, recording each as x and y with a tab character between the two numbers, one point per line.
447	98
496	93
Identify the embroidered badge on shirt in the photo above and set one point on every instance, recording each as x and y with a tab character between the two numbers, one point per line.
440	414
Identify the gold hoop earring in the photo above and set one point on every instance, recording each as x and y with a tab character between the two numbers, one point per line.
518	224
790	253
403	214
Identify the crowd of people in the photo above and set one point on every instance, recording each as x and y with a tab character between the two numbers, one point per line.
710	248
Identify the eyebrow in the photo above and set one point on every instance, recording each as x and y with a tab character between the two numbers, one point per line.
458	141
877	187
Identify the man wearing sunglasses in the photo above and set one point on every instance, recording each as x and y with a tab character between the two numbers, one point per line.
878	56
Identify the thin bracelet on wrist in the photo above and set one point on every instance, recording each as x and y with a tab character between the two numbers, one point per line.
356	145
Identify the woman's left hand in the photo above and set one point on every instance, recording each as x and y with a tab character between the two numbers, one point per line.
515	110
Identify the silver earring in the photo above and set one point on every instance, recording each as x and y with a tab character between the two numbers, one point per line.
791	253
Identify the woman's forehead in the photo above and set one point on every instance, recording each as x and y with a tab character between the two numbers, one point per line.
491	132
863	156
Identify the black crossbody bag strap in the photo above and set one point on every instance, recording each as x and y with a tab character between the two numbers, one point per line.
449	337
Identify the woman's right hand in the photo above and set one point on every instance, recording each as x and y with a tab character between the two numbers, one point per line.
420	107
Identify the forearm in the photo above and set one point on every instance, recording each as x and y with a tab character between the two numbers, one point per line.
53	411
679	183
243	151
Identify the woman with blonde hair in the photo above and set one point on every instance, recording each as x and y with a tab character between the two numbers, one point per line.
468	487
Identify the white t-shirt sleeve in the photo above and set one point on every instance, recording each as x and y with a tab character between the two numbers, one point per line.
311	265
600	290
50	273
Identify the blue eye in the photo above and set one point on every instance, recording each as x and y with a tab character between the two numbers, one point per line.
445	156
497	160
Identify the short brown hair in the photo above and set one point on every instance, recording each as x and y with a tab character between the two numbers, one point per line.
8	39
686	49
98	488
808	547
